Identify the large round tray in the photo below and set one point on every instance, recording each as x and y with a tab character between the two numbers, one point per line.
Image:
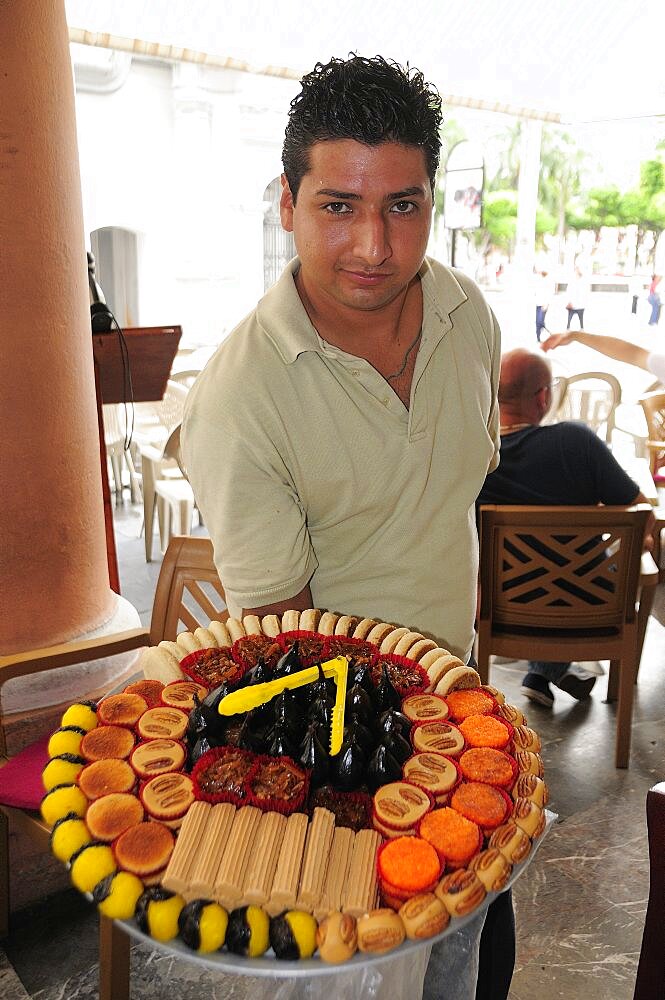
268	965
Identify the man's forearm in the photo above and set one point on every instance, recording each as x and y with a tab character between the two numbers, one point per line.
613	347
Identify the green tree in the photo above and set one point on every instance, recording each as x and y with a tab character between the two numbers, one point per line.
561	165
645	206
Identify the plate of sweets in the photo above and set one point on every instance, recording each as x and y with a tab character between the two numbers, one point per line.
296	791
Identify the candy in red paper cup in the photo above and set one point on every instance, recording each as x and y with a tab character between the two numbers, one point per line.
221	775
405	675
277	784
212	667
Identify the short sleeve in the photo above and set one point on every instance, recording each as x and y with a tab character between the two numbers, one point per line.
656	365
249	505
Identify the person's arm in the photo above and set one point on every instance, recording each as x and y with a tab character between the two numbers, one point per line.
237	457
301	602
612	347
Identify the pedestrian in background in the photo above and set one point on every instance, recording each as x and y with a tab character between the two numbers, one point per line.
543	293
654	299
578	292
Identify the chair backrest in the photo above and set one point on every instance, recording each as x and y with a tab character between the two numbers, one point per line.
650	981
189	592
186	378
653	405
560	568
168	410
593	398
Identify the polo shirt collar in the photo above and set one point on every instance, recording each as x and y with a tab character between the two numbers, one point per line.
284	319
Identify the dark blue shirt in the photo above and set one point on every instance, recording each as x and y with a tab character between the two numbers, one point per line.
563	463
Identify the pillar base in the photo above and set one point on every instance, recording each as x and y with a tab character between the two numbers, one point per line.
67	684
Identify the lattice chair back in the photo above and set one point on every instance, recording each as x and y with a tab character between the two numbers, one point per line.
565	575
564	584
189	592
653	405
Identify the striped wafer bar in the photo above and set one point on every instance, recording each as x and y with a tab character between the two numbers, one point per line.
177	876
263	861
338	866
204	869
315	861
287	873
230	877
361	882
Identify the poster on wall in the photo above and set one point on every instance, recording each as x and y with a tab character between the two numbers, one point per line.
463	201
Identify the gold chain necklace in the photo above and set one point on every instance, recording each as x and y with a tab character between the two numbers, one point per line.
402	368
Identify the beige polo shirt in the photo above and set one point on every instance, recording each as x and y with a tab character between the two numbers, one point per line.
308	468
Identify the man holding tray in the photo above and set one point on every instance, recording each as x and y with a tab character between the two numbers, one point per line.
339	437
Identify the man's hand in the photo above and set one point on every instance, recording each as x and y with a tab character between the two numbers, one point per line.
557	340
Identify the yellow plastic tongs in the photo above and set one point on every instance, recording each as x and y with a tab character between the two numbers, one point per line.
247	698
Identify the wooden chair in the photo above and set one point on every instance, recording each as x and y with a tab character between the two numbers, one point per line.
562	584
188	594
653	405
650	982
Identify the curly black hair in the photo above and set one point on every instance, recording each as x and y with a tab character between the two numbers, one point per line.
369	100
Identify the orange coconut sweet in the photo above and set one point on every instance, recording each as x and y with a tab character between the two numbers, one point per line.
472	701
494	767
407	866
454	837
483	804
486	731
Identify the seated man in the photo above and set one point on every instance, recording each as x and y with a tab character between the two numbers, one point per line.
562	463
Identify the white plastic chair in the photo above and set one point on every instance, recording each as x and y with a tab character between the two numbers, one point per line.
113	416
174	497
591	397
151	442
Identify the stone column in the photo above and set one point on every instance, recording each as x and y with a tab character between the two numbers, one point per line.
52	546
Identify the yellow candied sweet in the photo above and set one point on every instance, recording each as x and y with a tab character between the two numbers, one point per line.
90	865
62	770
82	714
65	740
61	800
293	935
248	931
117	895
203	925
69	835
157	912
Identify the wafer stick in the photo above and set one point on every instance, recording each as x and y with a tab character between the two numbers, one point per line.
187	846
263	862
361	880
287	874
204	869
338	866
227	889
315	861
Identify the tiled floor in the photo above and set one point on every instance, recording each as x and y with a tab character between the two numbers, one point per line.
580	905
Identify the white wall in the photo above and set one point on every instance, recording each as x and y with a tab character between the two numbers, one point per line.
182	155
